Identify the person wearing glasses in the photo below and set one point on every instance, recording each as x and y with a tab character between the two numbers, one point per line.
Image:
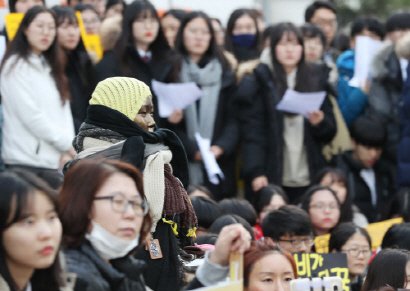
103	211
355	242
290	227
120	126
323	207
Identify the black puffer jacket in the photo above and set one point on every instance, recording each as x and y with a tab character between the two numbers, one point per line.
262	127
93	274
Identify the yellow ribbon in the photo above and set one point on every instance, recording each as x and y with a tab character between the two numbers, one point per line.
191	232
173	224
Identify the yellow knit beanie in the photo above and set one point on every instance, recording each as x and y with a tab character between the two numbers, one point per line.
125	95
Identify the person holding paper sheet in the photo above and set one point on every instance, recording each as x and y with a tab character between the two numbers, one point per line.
389	72
352	100
141	52
278	147
213	115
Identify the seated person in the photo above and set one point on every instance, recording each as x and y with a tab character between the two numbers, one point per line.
352	100
290	227
370	181
268	198
207	211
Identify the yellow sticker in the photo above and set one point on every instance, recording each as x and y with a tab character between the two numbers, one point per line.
13	21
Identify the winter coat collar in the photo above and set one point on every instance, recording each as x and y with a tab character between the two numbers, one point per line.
384	61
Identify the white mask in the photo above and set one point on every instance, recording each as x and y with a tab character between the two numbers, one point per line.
107	245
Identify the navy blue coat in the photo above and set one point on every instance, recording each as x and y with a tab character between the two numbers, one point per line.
403	153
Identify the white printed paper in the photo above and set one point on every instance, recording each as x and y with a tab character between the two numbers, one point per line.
211	166
365	49
174	96
301	103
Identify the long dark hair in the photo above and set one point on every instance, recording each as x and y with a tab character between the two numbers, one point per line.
19	46
159	47
16	187
337	175
213	49
388	267
305	81
229	46
78	57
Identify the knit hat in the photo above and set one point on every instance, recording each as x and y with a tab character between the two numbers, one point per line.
123	94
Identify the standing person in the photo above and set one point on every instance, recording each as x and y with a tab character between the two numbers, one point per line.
91	18
30	234
170	23
244	41
355	242
403	151
21	6
279	147
323	14
242	37
100	237
141	52
212	117
323	207
114	8
79	68
353	100
38	125
120	126
388	74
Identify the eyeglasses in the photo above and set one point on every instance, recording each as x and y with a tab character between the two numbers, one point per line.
356	252
197	31
296	243
322	206
120	204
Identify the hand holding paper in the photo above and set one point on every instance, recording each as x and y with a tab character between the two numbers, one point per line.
301	103
175	96
211	166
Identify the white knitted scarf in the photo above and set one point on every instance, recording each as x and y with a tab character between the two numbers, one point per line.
154	184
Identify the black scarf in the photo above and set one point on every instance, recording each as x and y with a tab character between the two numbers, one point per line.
137	137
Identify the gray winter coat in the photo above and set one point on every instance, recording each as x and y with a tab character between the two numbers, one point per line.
384	96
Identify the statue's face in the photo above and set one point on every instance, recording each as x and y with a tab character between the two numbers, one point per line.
145	116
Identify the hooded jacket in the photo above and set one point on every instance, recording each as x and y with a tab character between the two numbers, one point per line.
262	125
384	96
352	101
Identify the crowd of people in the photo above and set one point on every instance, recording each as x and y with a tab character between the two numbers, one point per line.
98	192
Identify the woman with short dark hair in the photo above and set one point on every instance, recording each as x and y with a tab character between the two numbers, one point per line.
105	224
